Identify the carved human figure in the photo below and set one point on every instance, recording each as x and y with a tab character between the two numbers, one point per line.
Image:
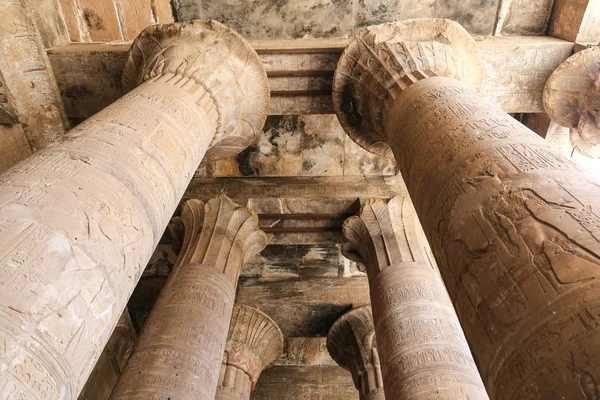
514	225
79	220
424	353
572	99
254	343
179	352
351	343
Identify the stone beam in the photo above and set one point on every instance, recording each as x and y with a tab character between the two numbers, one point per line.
300	73
576	21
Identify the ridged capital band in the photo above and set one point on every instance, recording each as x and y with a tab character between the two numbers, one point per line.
180	351
351	343
513	224
254	343
209	57
572	99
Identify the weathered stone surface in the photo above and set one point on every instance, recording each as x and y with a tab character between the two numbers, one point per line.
423	350
513	226
525	17
351	343
514	72
572	99
180	350
254	343
80	219
112	361
13	145
30	83
305	383
576	21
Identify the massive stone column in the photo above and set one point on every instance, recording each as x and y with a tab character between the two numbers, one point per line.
351	343
514	226
80	219
254	343
424	353
179	352
572	99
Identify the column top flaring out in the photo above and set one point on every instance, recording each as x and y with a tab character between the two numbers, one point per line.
383	60
572	99
215	57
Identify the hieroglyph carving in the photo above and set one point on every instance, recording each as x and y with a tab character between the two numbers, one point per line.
422	347
180	350
80	219
515	229
351	343
572	99
254	343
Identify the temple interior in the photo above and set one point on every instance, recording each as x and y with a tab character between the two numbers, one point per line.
300	199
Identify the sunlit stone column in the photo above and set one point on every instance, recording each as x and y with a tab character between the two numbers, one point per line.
80	219
572	99
351	343
254	343
514	226
424	353
180	350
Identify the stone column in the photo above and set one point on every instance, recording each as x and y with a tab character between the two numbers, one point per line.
28	91
514	226
79	220
424	353
254	343
179	352
351	343
572	99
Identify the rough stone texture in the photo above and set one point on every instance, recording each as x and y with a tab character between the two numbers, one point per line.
572	99
254	343
180	350
80	219
514	228
301	145
13	145
576	21
526	17
351	343
112	361
423	350
294	19
29	80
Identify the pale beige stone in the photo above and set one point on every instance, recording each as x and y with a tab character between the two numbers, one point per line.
512	223
180	350
351	342
28	76
572	99
254	343
423	350
80	219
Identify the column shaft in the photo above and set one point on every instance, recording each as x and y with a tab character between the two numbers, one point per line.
422	347
179	353
515	228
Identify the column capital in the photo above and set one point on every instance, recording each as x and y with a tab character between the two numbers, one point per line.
209	57
384	60
351	343
254	342
382	235
221	235
572	99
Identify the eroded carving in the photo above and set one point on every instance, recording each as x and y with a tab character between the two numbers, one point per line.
351	343
180	350
254	343
80	219
421	344
214	57
572	99
384	60
513	226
